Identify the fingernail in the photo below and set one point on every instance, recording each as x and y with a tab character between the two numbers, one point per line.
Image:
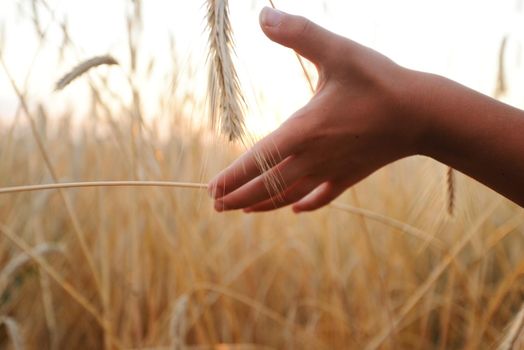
270	17
215	192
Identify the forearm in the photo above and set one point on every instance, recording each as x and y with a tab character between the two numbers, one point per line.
473	133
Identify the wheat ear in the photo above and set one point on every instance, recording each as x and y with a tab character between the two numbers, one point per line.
451	189
226	101
514	338
21	260
13	331
84	67
502	86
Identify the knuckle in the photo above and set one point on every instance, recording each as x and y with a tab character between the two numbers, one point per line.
303	28
301	123
297	27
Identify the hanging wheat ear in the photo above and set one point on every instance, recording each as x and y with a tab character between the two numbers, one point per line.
514	338
226	101
83	68
501	87
451	188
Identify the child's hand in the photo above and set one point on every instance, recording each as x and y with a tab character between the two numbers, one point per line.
355	124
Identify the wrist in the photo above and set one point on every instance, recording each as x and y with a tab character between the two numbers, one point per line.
411	95
421	96
454	120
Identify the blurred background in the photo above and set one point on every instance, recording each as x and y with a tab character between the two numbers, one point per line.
460	40
385	267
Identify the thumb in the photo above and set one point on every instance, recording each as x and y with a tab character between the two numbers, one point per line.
298	33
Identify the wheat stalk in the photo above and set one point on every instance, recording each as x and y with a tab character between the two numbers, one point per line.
55	186
226	101
83	68
388	221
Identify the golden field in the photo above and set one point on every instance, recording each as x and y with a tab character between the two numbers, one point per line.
384	267
167	270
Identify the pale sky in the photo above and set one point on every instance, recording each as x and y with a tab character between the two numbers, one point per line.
456	38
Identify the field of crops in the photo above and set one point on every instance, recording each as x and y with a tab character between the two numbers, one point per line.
385	266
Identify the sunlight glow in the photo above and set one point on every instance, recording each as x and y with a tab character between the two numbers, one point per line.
458	39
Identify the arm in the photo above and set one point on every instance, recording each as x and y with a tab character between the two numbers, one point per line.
366	113
473	133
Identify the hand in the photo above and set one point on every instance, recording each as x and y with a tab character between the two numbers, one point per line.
356	123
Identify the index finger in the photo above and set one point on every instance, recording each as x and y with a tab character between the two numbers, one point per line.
263	156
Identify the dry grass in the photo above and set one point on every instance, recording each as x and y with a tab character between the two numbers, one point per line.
149	267
174	274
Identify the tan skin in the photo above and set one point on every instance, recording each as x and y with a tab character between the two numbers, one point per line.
366	113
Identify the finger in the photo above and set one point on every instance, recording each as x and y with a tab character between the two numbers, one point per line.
294	193
322	196
263	156
271	183
298	33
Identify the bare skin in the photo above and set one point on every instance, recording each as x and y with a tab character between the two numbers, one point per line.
366	113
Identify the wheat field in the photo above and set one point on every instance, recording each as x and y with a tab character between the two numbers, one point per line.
384	267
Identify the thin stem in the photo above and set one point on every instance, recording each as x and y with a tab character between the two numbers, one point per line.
31	188
393	223
301	61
